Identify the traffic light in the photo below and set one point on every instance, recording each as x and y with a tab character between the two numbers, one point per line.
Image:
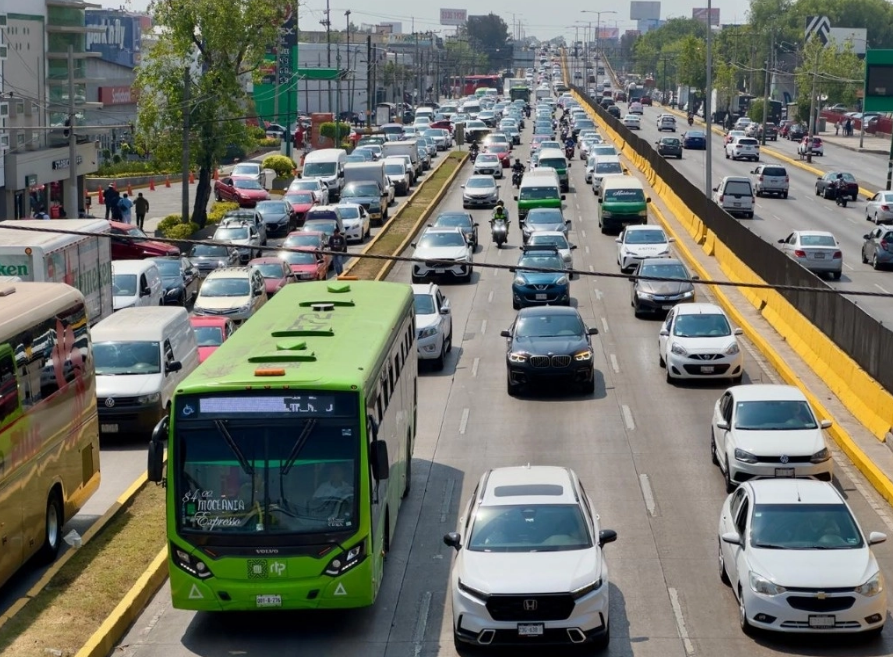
67	132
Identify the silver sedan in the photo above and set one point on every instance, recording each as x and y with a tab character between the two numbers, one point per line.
817	250
879	208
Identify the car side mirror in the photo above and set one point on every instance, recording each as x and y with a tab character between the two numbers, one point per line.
453	540
173	366
155	465
732	538
505	334
866	237
512	270
412	244
573	246
782	241
475	225
716	189
826	424
515	197
648	199
563	197
381	468
146	291
593	331
738	331
664	333
819	178
876	537
462	186
606	536
618	240
722	424
695	278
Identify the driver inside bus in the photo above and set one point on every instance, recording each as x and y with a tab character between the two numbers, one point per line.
336	487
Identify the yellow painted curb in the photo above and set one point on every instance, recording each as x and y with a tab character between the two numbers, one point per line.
122	502
128	610
426	213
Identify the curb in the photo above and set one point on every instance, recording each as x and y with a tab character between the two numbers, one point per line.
103	640
881	483
122	502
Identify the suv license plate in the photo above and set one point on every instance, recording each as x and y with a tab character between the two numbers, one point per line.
269	601
822	622
536	629
109	428
784	472
737	205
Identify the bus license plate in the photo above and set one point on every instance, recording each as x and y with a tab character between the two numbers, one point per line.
784	472
530	629
822	622
542	297
269	601
707	369
109	428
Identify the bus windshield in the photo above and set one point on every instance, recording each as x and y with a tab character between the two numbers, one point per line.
248	478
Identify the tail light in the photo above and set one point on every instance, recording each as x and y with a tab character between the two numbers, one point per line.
885	245
885	208
722	198
837	255
786	179
800	254
761	178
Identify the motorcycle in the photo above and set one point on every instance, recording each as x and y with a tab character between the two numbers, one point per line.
691	120
839	199
517	176
569	152
499	231
473	152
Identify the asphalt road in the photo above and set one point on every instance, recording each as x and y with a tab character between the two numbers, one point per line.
123	460
640	446
775	218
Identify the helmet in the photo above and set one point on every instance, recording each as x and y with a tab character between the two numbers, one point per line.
500	203
517	160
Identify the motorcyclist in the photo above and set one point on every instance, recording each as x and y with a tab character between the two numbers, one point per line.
517	167
570	143
691	118
500	215
474	150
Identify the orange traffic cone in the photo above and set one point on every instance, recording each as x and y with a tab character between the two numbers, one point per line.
167	181
191	178
129	189
101	197
151	184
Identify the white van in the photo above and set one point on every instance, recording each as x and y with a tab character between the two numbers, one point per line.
135	284
141	355
734	194
327	165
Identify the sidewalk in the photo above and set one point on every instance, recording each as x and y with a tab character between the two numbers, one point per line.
870	144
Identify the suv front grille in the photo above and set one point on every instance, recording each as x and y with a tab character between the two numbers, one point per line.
553	361
539	607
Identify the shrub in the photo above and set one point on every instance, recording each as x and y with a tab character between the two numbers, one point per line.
256	132
135	168
169	222
219	210
181	231
327	130
268	142
116	158
282	165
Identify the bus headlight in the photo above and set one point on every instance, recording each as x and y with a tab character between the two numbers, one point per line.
346	560
191	564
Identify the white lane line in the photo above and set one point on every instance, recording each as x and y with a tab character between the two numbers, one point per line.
484	327
605	324
880	506
421	626
848	266
583	233
474	366
591	268
490	297
599	294
881	289
587	250
680	622
447	500
775	216
647	493
614	364
463	423
628	417
495	271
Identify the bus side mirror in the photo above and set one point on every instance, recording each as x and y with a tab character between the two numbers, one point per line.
155	465
379	459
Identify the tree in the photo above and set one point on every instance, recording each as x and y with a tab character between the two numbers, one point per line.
693	62
223	46
490	34
461	59
837	75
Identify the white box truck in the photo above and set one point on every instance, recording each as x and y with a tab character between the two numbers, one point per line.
82	261
408	147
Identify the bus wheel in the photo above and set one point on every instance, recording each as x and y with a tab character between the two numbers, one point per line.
53	530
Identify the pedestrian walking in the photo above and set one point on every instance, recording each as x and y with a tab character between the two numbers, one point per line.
338	244
41	214
141	207
111	201
848	128
124	207
837	127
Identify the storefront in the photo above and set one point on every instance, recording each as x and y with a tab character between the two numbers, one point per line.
39	179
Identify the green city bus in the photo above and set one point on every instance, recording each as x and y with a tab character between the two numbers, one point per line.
289	452
49	428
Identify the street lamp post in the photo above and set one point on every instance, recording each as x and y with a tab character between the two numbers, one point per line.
598	25
708	154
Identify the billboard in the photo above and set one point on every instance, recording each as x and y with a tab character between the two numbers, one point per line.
856	36
700	14
409	40
878	81
116	96
608	33
120	38
640	10
453	16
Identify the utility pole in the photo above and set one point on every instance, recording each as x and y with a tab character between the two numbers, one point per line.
338	101
187	98
351	78
418	68
708	159
766	88
73	201
815	72
328	23
370	82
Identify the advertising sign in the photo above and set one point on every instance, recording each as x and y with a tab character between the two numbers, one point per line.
857	37
120	38
453	16
700	14
116	96
608	33
409	40
640	10
878	81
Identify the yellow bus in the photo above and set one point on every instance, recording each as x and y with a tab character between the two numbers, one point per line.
49	429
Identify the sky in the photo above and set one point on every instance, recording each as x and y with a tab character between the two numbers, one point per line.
537	16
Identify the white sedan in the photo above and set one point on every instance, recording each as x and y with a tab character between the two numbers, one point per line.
355	220
633	121
697	341
879	208
768	431
797	560
816	250
636	243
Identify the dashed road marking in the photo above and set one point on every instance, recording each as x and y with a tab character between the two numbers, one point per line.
484	327
463	423
605	324
881	289
421	626
587	249
447	500
490	297
614	364
628	417
647	493
680	622
474	366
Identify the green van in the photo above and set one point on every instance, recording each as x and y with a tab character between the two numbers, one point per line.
553	158
622	202
539	189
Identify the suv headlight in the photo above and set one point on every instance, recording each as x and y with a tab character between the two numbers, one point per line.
678	349
576	594
644	295
428	332
245	308
687	295
872	587
606	214
583	356
517	357
820	456
346	560
154	398
480	596
760	584
745	457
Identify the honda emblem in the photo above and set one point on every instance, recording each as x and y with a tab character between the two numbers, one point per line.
530	604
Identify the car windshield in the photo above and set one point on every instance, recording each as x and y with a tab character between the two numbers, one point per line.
694	134
766	415
441	239
169	268
311	185
846	176
486	159
124	285
246	170
538	193
208	336
123	358
299	257
394	169
603	150
209	250
318	169
454	220
548	325
301	239
804	527
225	287
349	211
529	528
230	234
245	183
497	147
305	198
269	269
608	167
669	141
645	237
542	218
705	325
538	239
543	261
664	271
368	189
817	240
326	226
424	304
272	207
480	183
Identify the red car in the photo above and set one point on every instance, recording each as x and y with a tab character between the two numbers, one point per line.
503	152
276	272
646	100
244	191
300	202
314	239
210	333
443	125
306	264
125	249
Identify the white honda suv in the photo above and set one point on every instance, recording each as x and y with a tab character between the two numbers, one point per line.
529	567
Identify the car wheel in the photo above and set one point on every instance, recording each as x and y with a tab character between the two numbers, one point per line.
449	342
745	625
874	263
723	575
713	457
835	275
867	218
670	380
817	190
53	520
864	259
784	194
825	194
601	643
727	475
588	387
